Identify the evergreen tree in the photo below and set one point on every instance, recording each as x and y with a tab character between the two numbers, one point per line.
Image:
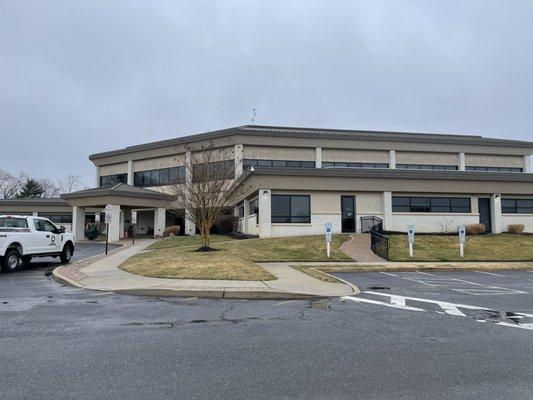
31	189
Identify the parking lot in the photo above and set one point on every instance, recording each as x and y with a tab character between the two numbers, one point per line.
407	336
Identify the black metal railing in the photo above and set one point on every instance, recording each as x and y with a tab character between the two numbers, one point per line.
379	243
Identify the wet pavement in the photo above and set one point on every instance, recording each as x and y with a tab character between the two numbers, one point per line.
59	342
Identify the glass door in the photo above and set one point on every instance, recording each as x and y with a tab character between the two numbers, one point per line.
348	213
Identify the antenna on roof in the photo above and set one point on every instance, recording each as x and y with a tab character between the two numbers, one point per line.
254	114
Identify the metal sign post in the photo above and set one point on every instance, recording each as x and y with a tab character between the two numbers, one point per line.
133	222
328	232
108	214
462	240
411	238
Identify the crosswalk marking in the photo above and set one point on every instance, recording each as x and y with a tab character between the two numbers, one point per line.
399	302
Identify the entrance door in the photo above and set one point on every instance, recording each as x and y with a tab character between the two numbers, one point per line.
348	213
485	214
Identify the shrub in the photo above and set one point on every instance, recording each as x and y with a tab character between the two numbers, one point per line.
475	229
516	229
172	229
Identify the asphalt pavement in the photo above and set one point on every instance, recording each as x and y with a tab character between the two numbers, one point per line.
60	342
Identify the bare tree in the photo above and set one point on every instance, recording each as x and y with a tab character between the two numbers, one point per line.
50	188
71	183
10	184
208	189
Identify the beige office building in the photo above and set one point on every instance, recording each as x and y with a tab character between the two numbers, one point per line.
295	180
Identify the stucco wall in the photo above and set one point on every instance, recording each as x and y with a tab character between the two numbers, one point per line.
524	219
158	163
415	157
279	153
488	160
113	169
431	222
343	155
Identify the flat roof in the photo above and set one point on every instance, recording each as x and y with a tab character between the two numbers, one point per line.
33	201
319	133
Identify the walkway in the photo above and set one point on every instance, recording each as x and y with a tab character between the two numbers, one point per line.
358	247
104	274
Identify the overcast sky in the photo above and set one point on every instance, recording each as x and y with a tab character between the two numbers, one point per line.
79	77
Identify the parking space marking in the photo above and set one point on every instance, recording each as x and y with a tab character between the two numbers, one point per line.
518	319
455	284
489	273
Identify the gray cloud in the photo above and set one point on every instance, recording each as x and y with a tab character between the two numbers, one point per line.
78	77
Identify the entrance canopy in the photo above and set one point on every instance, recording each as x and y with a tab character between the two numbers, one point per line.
122	198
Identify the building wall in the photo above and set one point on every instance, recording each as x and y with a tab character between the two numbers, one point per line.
417	157
513	219
158	163
347	155
492	160
279	153
113	169
432	222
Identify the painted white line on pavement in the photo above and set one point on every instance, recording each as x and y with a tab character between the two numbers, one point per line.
489	273
101	293
381	303
284	302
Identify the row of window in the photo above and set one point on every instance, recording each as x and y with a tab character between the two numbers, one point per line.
159	177
58	218
278	163
431	204
495	169
428	166
353	165
517	206
112	180
217	170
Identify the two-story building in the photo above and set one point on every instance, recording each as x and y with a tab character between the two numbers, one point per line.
298	179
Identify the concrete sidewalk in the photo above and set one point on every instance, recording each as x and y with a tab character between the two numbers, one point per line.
104	274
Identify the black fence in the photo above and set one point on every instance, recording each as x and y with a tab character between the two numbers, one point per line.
379	243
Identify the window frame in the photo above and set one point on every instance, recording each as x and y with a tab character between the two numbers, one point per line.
290	218
426	205
516	208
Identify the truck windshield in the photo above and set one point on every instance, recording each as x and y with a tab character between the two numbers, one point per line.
7	222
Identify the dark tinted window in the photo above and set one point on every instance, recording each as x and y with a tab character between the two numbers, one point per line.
431	204
7	222
337	164
291	209
159	177
494	169
428	167
278	163
112	180
517	206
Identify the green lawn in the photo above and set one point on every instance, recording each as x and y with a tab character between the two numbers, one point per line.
235	259
502	247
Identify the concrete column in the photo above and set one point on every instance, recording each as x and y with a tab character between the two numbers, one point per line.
387	211
35	214
97	177
462	162
496	209
190	227
318	157
130	172
392	159
265	213
114	226
121	224
239	156
527	164
78	223
246	204
159	221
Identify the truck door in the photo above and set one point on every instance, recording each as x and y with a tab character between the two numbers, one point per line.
47	241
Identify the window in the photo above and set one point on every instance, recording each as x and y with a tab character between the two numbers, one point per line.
112	180
517	206
353	165
428	167
58	218
43	225
240	212
495	169
278	163
159	177
216	170
291	209
9	223
431	204
253	207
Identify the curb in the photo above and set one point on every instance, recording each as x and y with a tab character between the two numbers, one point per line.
355	289
421	268
220	294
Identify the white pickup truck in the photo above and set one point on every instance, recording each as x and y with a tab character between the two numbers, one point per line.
23	237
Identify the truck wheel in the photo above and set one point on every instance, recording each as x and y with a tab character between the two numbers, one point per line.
66	254
26	260
11	261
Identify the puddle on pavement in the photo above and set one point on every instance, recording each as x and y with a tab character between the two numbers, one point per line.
378	288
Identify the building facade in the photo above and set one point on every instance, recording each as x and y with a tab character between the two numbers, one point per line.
298	179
